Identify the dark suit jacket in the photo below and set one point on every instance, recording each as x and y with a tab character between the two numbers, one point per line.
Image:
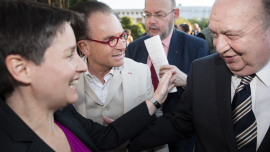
183	50
16	136
204	109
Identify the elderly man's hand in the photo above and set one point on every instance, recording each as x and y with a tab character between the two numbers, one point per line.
180	77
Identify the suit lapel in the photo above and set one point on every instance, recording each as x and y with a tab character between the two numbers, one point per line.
73	125
90	93
265	147
128	81
18	131
223	87
143	54
39	145
83	90
175	49
114	86
80	103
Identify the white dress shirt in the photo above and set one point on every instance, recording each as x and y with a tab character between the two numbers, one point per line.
260	93
101	90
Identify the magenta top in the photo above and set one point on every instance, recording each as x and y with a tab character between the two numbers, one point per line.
75	143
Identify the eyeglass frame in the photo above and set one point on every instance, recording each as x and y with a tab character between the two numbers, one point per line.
155	15
108	42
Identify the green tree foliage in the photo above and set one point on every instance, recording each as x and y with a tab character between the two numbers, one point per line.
203	23
142	25
136	29
194	20
126	22
72	3
181	20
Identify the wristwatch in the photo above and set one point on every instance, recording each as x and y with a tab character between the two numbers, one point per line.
155	102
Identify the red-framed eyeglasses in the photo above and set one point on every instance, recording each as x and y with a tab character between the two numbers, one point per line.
113	41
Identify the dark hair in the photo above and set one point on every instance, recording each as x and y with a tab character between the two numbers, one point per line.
27	29
88	8
185	27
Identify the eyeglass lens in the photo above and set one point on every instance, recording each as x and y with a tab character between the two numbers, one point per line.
148	15
114	40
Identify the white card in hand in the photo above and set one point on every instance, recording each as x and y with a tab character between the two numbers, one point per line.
157	54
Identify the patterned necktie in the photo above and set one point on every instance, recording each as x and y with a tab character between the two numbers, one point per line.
244	121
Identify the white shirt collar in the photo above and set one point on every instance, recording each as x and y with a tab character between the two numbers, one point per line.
264	73
92	76
89	74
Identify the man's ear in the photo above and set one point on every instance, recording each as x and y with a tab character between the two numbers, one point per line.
176	14
84	47
19	68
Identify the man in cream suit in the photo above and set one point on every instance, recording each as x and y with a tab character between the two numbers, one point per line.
113	84
129	85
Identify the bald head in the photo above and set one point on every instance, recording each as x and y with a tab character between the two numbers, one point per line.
173	3
241	34
258	10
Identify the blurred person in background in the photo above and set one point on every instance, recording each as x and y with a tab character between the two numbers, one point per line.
208	36
130	38
185	28
196	28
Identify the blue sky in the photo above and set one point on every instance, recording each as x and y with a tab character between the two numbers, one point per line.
139	4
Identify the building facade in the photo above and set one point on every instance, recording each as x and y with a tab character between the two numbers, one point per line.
187	12
136	14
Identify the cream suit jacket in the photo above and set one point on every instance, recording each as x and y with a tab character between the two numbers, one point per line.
136	88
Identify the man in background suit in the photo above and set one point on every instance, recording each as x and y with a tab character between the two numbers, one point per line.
180	48
112	85
207	35
241	31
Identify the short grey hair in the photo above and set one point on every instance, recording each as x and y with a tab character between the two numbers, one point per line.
173	4
265	14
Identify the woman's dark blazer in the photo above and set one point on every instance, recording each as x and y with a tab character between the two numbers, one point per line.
16	136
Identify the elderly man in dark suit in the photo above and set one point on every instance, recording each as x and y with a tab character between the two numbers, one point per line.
181	49
226	101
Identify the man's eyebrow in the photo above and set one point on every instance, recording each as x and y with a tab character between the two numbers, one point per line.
107	38
230	31
160	11
225	31
110	36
